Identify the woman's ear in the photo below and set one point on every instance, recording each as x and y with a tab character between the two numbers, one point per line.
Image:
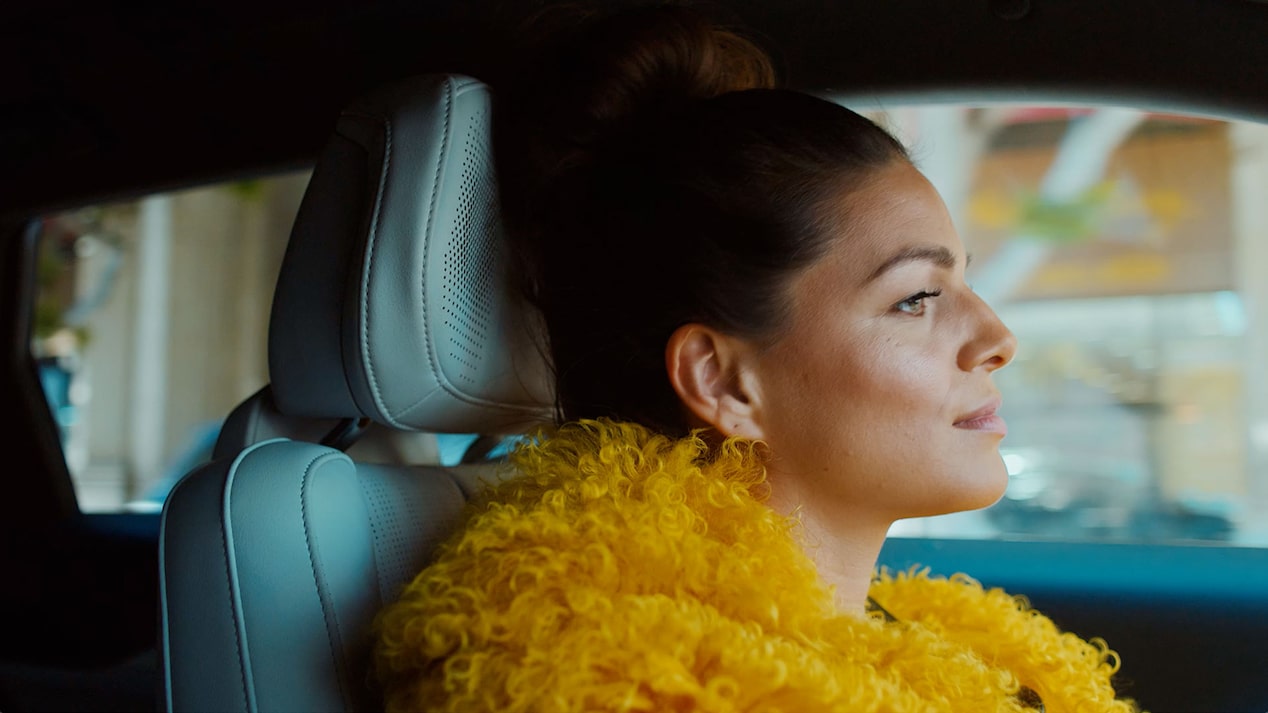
709	371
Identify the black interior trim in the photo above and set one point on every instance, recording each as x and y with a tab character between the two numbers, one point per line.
76	129
37	485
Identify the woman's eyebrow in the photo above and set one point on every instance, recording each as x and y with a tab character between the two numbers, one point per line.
936	254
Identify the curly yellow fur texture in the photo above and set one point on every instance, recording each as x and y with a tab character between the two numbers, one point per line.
625	571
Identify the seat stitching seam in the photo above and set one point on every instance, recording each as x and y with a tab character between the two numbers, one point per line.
428	247
368	359
233	611
332	637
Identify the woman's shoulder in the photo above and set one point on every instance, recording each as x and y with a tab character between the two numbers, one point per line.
592	476
613	508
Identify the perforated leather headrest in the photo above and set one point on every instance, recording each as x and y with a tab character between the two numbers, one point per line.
392	302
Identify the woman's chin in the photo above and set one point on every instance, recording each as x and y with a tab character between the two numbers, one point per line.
977	491
991	488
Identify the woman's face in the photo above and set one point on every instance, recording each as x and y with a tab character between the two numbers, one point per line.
877	399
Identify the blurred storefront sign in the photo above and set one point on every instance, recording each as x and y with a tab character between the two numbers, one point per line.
1157	223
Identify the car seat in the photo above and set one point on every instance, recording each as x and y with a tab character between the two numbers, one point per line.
390	312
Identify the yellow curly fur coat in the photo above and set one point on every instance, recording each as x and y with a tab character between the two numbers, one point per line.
624	571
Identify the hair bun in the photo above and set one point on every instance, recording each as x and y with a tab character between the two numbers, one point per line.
650	59
598	74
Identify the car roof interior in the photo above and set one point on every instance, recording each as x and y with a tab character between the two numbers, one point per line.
104	102
105	99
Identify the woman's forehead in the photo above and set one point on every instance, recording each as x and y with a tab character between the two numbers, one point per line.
895	217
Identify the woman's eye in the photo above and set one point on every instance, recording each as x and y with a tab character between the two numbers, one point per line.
915	305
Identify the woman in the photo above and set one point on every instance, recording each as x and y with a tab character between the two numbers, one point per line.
765	354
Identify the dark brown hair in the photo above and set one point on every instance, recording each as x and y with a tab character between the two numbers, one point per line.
652	176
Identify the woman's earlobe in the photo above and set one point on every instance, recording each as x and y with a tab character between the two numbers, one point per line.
706	370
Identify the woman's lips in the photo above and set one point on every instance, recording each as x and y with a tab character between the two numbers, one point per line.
984	419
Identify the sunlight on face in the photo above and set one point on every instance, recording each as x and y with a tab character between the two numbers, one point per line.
877	399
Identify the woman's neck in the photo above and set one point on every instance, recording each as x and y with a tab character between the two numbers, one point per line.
846	563
844	549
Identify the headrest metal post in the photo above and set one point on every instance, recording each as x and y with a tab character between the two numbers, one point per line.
347	432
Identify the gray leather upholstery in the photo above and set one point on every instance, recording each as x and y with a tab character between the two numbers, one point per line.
390	306
391	299
274	565
258	419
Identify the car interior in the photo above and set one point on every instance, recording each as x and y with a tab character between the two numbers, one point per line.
254	586
299	573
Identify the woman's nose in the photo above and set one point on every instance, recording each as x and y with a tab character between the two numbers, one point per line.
991	344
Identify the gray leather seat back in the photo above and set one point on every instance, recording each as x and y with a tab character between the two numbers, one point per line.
308	546
391	307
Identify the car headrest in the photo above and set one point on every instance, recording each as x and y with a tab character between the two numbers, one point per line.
392	303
